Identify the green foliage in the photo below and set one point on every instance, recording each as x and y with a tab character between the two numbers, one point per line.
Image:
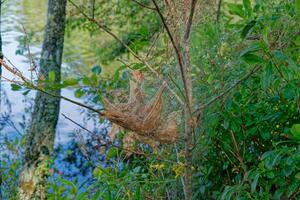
261	113
248	144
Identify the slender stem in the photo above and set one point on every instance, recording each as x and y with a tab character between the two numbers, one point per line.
32	86
219	11
237	152
143	5
177	52
106	143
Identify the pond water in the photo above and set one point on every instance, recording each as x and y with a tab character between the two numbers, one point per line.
23	18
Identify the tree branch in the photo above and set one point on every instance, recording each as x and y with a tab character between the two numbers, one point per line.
106	143
143	5
190	21
32	86
105	29
253	71
177	52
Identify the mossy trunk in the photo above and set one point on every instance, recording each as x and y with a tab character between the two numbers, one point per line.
41	133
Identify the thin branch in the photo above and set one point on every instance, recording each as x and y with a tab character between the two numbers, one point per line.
143	5
253	71
190	21
105	29
177	52
219	11
32	86
112	144
237	152
71	120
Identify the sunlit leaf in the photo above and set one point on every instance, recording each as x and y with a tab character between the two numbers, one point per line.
51	76
112	153
247	6
70	82
295	130
236	9
78	93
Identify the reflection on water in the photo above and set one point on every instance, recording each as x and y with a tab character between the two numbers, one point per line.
15	108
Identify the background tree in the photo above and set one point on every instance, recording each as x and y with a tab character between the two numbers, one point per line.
41	133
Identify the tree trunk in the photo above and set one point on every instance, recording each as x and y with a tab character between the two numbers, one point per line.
41	135
189	120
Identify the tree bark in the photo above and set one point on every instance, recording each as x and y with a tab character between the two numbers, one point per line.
190	6
41	135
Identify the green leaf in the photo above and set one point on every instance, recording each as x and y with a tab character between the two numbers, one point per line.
297	6
78	93
138	194
272	160
295	130
297	41
97	172
210	79
112	153
265	34
226	124
280	56
70	82
15	87
86	81
93	79
248	8
125	75
297	176
268	75
74	189
82	196
26	92
236	9
51	76
247	29
97	195
137	66
265	135
117	73
254	183
97	69
253	48
252	58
